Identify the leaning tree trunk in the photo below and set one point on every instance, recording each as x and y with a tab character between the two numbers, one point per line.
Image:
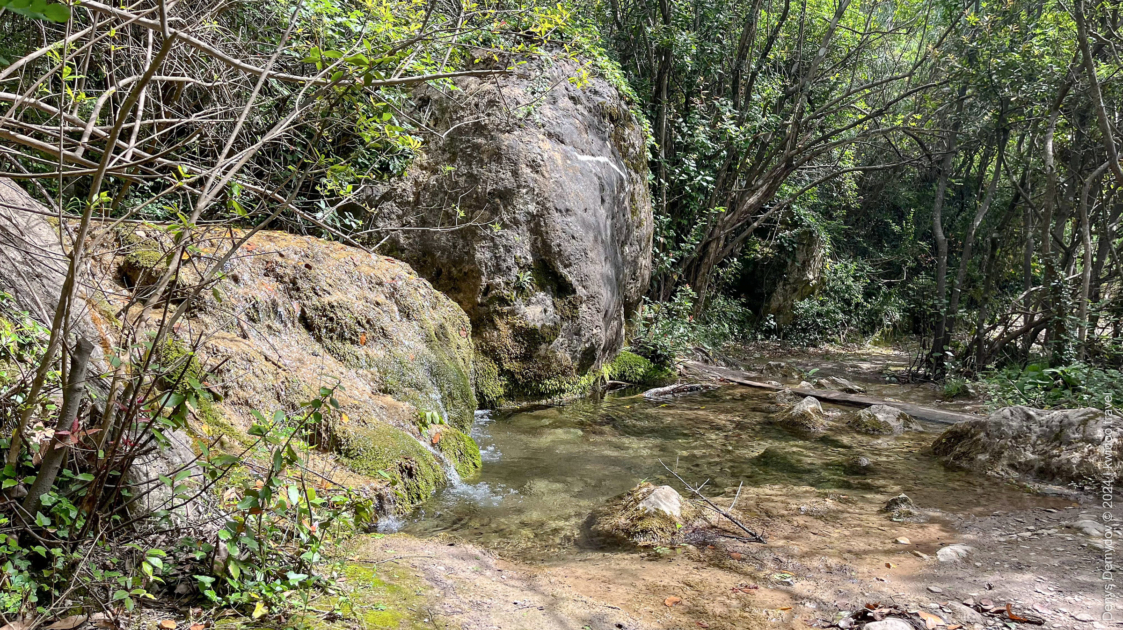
57	449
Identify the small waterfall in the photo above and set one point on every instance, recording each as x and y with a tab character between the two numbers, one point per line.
454	479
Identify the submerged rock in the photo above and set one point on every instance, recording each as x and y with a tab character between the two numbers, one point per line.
645	515
806	416
881	420
553	252
1055	446
786	397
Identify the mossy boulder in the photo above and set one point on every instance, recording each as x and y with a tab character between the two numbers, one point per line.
637	370
646	516
458	448
881	420
384	451
296	314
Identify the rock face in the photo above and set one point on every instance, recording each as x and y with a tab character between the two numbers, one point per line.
1055	446
298	313
539	187
800	278
881	420
33	267
806	416
645	515
840	384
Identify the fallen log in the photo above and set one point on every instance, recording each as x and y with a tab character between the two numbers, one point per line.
924	413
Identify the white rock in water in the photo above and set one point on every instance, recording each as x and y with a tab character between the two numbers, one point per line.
954	553
663	499
889	624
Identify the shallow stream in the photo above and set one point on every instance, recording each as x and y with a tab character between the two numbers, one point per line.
545	470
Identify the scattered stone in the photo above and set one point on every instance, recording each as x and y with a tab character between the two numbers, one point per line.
881	420
935	589
663	499
1059	446
891	623
954	553
806	416
920	554
1088	527
804	385
1085	617
964	614
903	541
786	397
778	369
857	465
901	506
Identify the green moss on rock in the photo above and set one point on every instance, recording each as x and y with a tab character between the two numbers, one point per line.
632	368
459	449
383	450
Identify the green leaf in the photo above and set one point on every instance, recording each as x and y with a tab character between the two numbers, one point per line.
41	520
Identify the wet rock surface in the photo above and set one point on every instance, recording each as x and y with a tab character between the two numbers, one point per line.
806	416
646	515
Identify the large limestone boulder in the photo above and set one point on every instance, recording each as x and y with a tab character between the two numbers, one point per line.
298	313
800	278
881	420
1060	446
33	268
538	187
645	515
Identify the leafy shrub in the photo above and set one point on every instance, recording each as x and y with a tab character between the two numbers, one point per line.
1037	385
850	303
670	329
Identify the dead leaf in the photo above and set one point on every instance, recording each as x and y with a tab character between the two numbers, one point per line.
197	626
17	625
362	339
930	621
436	439
784	608
702	624
672	601
1013	617
889	565
735	555
68	623
955	627
167	624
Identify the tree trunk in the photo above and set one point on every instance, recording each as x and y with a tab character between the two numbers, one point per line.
57	450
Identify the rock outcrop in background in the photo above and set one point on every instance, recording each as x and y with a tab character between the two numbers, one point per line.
531	210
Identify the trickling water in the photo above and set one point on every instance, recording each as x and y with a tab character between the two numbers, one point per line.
546	469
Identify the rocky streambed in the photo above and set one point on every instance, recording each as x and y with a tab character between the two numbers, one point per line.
525	529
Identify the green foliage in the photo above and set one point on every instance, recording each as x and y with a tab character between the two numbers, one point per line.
633	368
1037	385
849	304
38	9
669	330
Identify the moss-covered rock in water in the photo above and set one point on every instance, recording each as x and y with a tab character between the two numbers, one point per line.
632	368
459	449
389	452
646	515
881	420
